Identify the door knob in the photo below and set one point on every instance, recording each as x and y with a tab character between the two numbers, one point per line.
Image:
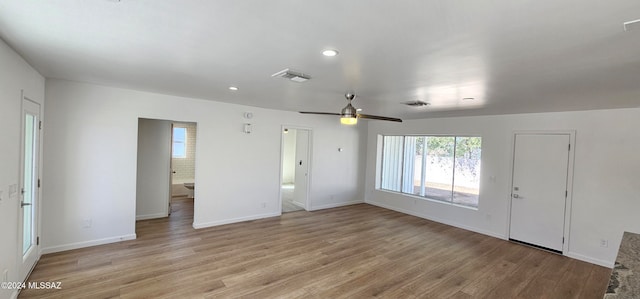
516	195
22	204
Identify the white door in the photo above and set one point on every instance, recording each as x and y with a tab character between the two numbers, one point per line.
171	171
153	189
539	189
29	188
301	177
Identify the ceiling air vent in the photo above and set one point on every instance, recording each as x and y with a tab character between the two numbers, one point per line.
292	75
417	103
631	25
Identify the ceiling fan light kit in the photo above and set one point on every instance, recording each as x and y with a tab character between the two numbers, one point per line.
349	115
345	120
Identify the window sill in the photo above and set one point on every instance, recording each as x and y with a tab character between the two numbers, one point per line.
427	199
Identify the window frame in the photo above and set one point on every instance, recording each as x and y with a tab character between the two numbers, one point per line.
184	143
379	183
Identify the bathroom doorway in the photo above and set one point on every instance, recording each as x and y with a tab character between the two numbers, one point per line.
183	160
165	168
295	169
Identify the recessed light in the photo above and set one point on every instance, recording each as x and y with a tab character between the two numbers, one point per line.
330	52
468	99
233	88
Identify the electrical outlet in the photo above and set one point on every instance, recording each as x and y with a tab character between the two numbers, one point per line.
604	243
264	204
5	275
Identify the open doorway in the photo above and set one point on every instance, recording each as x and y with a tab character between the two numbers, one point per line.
295	169
183	163
165	169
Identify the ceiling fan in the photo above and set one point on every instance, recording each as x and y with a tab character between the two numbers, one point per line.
349	115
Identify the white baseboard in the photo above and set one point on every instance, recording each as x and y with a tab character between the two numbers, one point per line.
443	221
334	205
573	255
234	220
584	258
151	216
87	244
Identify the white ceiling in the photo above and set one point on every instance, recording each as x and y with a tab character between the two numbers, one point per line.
512	56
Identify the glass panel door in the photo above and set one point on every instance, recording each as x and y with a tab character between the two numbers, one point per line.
28	209
28	191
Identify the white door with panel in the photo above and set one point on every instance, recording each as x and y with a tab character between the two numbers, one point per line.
29	188
301	177
539	190
153	185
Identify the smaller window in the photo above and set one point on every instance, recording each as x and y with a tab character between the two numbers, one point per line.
179	149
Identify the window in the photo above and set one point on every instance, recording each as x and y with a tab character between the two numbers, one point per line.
443	168
179	149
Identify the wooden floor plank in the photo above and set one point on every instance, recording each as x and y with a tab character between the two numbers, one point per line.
358	251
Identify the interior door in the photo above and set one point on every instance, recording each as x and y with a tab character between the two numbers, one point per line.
29	187
154	169
172	172
301	177
539	189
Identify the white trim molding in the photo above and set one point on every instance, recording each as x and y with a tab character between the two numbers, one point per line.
439	220
334	205
588	259
88	243
234	220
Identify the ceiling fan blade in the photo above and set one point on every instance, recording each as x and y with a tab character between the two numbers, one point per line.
379	117
323	113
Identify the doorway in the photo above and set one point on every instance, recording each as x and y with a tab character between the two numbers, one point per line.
295	169
540	191
166	150
183	161
29	208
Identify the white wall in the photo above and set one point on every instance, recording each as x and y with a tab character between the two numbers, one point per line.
606	188
153	174
289	157
15	74
90	160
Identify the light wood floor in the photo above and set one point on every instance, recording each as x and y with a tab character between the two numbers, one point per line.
350	252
